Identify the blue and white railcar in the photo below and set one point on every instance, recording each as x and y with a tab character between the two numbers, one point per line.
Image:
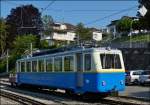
82	70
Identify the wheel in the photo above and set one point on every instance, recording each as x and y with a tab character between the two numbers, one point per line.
11	84
128	83
142	83
14	84
69	92
94	96
52	89
136	81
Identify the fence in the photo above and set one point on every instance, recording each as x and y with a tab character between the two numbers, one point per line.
128	45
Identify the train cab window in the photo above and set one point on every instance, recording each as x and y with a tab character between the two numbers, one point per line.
34	66
22	66
58	64
110	61
87	62
68	63
41	65
49	65
28	66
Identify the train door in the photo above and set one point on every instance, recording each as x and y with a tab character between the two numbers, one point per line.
79	67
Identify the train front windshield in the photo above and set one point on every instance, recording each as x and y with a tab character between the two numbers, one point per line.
110	61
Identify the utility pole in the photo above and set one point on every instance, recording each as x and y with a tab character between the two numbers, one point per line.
131	33
131	29
148	38
31	47
7	60
78	40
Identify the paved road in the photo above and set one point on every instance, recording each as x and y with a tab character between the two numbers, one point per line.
137	91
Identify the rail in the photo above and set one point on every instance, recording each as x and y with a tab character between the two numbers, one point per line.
55	95
20	99
128	44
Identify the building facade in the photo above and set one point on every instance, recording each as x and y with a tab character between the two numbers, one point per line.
60	32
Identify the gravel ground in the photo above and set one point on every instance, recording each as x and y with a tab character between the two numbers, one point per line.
6	101
50	99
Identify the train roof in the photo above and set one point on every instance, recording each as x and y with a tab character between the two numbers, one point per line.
74	50
70	50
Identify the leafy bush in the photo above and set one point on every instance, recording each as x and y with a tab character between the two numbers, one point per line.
2	66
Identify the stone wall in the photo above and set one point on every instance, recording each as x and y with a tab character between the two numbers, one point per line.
136	58
136	54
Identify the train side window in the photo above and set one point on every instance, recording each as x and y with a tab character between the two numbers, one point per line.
79	62
41	65
18	66
49	64
58	64
22	66
28	66
34	66
87	62
68	63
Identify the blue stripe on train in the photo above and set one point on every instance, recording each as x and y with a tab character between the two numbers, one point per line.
92	82
60	80
104	82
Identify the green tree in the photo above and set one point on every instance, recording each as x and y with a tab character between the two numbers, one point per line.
21	45
136	25
145	21
3	36
124	25
24	20
47	24
44	44
83	33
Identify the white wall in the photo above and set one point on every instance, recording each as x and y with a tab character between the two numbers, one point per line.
68	36
60	27
97	36
112	30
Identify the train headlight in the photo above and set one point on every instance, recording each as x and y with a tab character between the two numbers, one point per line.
103	83
121	82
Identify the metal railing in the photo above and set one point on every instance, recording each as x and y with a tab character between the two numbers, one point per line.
128	45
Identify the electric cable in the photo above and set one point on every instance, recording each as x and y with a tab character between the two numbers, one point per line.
116	13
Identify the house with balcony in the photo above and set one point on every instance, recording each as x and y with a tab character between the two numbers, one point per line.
60	32
112	27
96	34
65	32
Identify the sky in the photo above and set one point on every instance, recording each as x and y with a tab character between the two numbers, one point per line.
96	13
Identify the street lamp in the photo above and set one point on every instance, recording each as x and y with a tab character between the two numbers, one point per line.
7	60
143	12
131	29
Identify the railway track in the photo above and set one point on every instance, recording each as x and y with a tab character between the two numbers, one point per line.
29	96
63	99
20	99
